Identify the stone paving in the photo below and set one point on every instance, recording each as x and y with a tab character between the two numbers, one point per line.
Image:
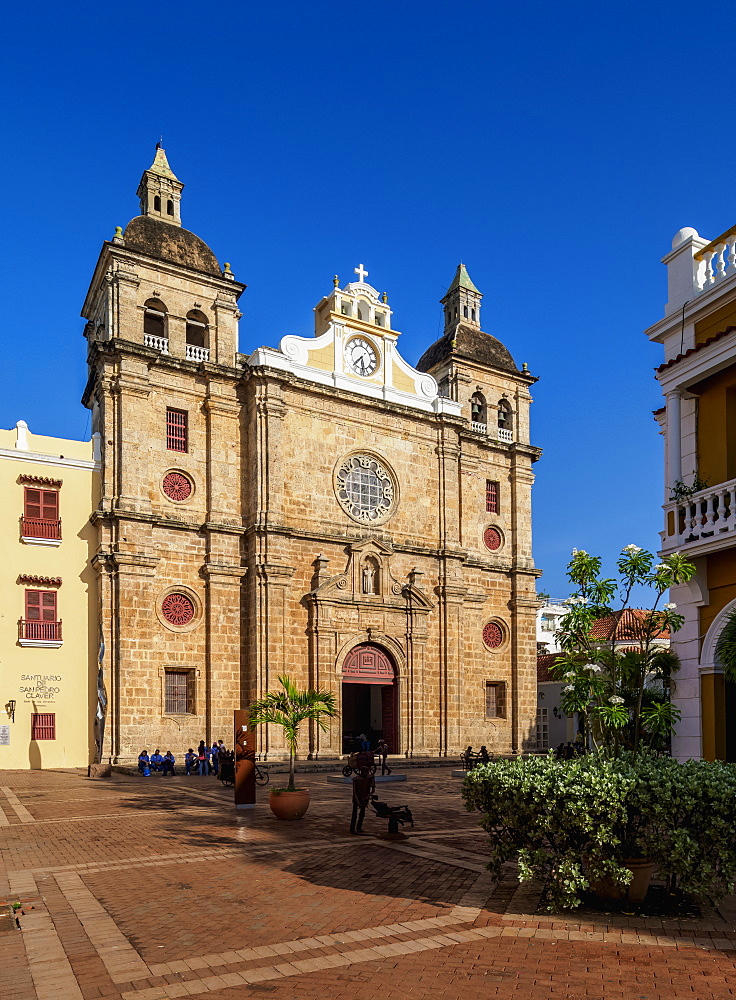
150	889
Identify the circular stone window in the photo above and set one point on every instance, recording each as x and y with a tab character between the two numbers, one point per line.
177	487
365	489
178	609
492	539
493	635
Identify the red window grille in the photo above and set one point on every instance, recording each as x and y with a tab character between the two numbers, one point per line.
177	430
492	539
493	635
178	609
491	496
41	620
176	486
176	692
40	514
43	726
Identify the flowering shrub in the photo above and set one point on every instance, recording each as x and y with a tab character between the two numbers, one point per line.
614	690
570	822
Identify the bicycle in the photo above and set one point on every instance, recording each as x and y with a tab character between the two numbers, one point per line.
227	773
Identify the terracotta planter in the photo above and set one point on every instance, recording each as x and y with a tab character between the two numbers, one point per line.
289	805
636	891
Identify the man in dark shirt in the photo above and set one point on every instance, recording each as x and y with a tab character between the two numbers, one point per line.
363	787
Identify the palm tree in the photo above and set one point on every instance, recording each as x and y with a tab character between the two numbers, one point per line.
288	708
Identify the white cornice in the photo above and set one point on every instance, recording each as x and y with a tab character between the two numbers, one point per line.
701	363
703	302
40	459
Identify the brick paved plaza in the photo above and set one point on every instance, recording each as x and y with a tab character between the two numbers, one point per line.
149	889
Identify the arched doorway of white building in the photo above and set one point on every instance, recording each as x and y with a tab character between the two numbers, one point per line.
370	697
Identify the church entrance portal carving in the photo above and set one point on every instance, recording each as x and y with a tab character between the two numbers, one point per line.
370	701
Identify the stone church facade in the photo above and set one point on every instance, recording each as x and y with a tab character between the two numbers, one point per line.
322	510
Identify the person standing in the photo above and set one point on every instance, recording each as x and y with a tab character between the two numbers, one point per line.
382	752
363	787
215	757
202	755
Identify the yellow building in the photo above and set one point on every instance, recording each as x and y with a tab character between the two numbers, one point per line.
48	608
698	379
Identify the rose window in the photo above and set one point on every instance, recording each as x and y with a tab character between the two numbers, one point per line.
493	635
177	609
176	486
492	539
365	489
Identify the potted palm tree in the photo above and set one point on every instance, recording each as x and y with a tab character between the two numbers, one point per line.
288	708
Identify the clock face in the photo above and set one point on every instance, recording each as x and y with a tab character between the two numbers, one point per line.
361	356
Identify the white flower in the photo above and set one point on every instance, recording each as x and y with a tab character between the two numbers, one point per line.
670	606
569	687
596	668
616	700
632	549
661	567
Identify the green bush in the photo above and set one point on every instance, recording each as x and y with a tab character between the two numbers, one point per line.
567	822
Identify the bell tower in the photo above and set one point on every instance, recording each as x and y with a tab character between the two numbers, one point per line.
164	378
462	301
160	190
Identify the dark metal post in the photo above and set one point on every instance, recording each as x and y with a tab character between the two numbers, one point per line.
245	761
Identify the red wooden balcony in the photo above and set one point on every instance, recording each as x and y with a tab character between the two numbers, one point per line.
43	631
38	527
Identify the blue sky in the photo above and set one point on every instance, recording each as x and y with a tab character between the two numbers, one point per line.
555	147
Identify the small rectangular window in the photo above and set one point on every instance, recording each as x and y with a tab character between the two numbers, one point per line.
43	726
495	700
178	698
41	605
542	729
40	513
491	496
177	430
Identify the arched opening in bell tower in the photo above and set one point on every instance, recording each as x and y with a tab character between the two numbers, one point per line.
370	698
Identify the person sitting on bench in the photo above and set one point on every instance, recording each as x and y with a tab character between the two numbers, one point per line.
144	762
157	761
168	763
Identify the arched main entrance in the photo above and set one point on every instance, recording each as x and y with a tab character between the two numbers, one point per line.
369	697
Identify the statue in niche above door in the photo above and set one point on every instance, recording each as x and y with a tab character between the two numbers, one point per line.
370	576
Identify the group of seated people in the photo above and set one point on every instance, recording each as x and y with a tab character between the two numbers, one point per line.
204	760
470	757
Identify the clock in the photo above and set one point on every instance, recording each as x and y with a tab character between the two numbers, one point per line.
361	356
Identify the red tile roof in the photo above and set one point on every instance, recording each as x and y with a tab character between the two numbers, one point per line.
627	624
544	662
694	350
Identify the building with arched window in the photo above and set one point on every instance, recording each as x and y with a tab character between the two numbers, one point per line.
698	421
315	507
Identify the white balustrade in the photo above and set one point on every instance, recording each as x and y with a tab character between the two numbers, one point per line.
707	515
157	343
197	353
505	435
477	427
718	263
